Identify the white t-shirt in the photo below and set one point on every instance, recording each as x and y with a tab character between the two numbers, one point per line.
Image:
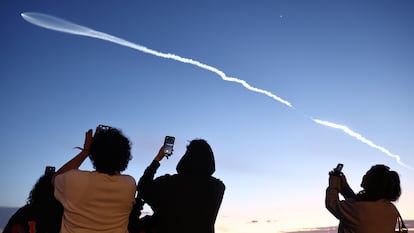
95	202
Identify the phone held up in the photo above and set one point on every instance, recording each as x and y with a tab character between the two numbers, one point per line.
168	145
49	169
338	170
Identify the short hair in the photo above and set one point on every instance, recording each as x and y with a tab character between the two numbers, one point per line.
110	151
198	159
381	183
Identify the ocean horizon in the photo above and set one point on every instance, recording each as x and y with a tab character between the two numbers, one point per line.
7	212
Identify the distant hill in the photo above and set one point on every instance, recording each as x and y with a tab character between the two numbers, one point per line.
5	214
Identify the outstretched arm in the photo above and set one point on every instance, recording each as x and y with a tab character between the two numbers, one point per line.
332	195
145	183
346	190
76	161
160	154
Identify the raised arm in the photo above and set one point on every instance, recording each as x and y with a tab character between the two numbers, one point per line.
332	195
76	161
145	183
346	190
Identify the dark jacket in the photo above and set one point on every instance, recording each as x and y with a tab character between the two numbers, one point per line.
182	203
31	219
41	214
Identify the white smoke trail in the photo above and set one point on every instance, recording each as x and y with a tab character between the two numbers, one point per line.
57	24
53	23
361	138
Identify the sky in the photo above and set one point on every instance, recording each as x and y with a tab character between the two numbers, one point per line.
349	63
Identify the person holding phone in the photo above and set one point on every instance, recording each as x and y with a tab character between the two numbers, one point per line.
42	212
188	201
370	210
99	200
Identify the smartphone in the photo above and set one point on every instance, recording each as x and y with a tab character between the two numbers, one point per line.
104	127
168	145
49	169
339	167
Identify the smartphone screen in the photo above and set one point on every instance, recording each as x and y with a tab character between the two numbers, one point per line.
49	169
339	167
168	145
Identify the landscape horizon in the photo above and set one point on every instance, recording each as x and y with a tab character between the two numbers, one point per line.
7	212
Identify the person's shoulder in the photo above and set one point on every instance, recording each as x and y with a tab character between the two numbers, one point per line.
73	175
123	178
76	172
382	203
166	177
22	211
217	180
128	178
350	205
22	215
219	183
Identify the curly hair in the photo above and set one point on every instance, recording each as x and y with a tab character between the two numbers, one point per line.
380	183
43	206
110	151
42	191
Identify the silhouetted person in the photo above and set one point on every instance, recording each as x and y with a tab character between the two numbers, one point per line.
188	201
42	212
100	200
369	211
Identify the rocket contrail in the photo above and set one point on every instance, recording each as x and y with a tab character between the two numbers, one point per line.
57	24
361	138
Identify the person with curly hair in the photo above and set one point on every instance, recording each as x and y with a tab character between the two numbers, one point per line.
99	200
42	212
369	211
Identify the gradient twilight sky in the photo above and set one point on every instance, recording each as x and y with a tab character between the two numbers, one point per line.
347	62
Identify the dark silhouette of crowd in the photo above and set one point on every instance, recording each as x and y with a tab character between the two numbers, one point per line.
107	201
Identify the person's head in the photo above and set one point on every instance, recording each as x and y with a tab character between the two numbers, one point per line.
47	210
197	160
381	183
42	192
110	151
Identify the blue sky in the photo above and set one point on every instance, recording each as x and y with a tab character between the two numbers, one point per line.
347	62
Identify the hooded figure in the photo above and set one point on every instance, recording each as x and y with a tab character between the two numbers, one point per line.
198	160
189	200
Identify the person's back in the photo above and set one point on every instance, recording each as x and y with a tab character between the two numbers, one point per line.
367	216
369	211
101	200
95	201
189	204
188	201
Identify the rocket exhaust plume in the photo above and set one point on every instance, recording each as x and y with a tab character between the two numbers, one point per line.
57	24
361	138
